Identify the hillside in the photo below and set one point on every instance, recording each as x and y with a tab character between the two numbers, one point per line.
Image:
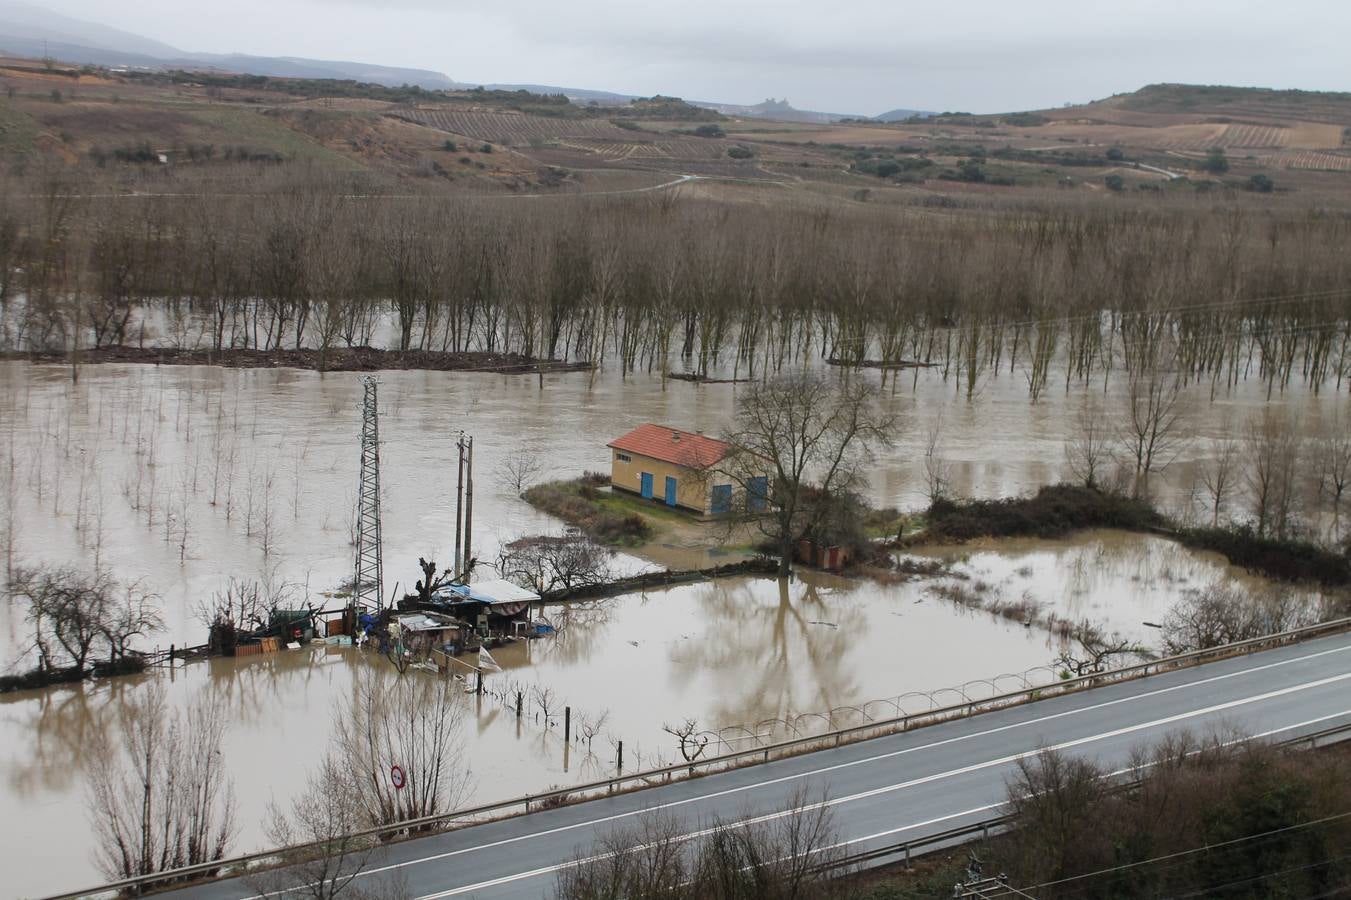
184	130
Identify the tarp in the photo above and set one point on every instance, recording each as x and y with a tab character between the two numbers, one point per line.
498	592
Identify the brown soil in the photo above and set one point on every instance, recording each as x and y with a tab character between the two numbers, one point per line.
353	359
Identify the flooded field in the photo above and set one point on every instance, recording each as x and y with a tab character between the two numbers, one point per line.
182	478
740	656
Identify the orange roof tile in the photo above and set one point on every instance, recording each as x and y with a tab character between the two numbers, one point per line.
681	448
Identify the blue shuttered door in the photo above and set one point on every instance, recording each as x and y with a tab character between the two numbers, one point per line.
670	491
647	485
757	492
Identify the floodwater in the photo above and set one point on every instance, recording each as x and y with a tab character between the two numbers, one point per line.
183	477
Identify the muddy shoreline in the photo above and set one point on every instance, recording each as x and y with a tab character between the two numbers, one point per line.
345	359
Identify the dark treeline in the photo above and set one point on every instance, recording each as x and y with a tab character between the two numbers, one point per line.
651	281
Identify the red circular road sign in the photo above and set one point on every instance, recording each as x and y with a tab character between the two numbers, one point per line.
397	778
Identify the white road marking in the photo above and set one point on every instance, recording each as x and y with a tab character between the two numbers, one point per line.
558	867
927	779
876	758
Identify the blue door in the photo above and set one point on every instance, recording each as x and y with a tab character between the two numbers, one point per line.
722	499
646	480
757	494
670	491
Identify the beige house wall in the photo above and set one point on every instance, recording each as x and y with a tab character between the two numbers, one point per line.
693	489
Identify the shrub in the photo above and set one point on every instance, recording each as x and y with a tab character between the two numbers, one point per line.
1054	511
1261	184
1283	560
740	152
450	147
1115	154
710	131
1216	163
1115	183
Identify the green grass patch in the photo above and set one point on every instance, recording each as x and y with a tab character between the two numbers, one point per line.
18	130
602	515
255	129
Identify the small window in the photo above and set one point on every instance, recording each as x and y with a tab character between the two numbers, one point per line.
623	457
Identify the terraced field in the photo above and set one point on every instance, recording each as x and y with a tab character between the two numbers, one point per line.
485	125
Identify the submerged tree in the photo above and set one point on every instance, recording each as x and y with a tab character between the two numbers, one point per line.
795	436
159	796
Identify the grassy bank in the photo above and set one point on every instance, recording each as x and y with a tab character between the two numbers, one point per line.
581	502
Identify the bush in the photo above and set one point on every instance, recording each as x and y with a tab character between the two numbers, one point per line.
1115	183
486	148
1216	163
450	147
1115	154
1054	511
710	131
740	152
1283	560
1261	184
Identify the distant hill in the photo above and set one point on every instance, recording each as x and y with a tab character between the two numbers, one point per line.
1314	106
900	115
31	31
781	110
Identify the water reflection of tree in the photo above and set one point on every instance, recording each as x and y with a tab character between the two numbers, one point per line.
579	630
755	655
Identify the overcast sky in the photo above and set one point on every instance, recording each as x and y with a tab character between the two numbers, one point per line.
865	56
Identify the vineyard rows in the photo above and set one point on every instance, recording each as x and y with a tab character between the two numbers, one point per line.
513	127
1309	159
1233	137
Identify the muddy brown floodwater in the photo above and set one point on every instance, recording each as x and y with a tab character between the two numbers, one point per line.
182	477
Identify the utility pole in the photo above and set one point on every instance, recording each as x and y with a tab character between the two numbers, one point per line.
459	499
469	503
368	581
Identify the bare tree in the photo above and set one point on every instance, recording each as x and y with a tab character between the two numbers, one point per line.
545	699
67	609
520	469
803	434
135	614
937	470
1150	435
556	564
1218	474
411	723
691	744
1088	450
1094	652
332	863
1224	613
158	793
1273	458
788	854
1334	471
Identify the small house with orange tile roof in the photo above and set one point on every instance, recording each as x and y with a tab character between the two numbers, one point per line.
679	469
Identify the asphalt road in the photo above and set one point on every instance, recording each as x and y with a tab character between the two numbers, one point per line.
885	790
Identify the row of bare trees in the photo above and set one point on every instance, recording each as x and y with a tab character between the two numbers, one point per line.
1085	289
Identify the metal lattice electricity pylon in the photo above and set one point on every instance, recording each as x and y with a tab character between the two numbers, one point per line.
368	583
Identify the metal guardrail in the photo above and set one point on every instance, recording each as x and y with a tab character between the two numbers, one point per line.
240	865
